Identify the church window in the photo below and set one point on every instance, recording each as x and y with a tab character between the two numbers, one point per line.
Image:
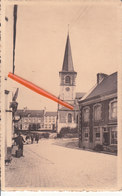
69	118
67	79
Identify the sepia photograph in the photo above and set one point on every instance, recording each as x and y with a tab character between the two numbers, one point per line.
60	76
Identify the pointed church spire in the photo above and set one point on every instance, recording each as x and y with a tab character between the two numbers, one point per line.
68	62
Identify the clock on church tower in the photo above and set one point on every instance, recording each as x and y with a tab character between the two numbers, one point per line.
66	117
67	76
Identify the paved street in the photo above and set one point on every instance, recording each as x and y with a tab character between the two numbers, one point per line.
49	165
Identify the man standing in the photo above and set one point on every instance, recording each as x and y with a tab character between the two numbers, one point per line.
20	141
37	138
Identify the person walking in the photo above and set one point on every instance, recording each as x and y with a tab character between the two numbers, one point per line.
37	137
32	138
27	139
20	141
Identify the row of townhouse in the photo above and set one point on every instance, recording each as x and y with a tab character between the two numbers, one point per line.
98	114
35	120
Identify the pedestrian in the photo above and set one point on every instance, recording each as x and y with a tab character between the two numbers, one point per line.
27	139
32	138
20	141
37	137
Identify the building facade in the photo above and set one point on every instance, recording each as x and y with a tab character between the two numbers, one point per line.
98	114
28	120
50	121
66	117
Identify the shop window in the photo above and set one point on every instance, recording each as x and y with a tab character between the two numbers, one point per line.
113	132
86	112
97	112
97	133
113	110
86	134
67	79
69	118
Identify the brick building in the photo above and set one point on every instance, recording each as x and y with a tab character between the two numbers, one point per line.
98	114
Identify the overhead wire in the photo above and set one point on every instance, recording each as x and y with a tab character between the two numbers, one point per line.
79	16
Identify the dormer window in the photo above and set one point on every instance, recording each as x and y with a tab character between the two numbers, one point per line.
67	79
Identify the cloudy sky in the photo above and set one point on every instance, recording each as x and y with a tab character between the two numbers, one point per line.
40	44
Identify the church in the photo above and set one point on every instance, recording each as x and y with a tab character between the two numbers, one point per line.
67	93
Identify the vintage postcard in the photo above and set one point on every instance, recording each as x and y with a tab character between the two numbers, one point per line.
61	82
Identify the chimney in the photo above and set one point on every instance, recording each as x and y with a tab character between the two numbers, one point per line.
101	77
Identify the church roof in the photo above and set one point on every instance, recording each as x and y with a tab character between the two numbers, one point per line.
68	62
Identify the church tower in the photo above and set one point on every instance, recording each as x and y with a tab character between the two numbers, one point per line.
67	76
67	117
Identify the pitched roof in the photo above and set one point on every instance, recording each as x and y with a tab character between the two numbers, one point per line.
51	114
30	113
68	62
107	86
79	95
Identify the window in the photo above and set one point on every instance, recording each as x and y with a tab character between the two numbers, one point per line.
97	112
49	118
39	119
49	126
113	132
69	118
67	79
113	109
86	114
45	125
86	134
25	120
97	133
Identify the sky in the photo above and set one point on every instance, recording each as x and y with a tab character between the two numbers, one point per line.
40	44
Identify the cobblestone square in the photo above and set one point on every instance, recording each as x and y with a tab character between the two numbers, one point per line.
47	165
